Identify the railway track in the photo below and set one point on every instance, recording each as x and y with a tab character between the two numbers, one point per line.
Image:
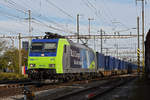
20	84
17	89
93	92
14	81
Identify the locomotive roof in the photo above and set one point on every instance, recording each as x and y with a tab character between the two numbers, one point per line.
79	45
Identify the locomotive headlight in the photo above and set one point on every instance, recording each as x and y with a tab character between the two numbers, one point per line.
51	65
32	65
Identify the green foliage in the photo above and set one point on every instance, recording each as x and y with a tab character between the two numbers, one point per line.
10	59
3	46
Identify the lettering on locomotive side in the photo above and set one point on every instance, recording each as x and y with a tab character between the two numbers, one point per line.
76	61
75	54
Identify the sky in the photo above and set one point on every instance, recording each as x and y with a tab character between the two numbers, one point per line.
110	15
59	16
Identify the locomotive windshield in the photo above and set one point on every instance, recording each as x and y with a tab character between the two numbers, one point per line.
50	47
43	47
36	47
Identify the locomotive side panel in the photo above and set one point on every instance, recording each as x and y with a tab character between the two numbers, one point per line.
80	60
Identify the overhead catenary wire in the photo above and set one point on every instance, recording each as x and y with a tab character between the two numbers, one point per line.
56	23
51	27
11	15
13	5
60	9
108	9
97	13
91	5
108	16
51	21
40	16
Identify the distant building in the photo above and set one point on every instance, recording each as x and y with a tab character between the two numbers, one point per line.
25	45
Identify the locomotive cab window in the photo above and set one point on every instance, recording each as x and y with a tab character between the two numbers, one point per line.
36	47
50	47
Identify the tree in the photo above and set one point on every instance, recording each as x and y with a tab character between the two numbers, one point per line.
3	48
10	59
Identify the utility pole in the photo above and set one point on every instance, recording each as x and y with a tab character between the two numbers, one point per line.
143	53
143	36
20	55
138	49
30	30
90	25
77	28
101	31
29	11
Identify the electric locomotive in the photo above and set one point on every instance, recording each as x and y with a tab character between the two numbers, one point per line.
60	58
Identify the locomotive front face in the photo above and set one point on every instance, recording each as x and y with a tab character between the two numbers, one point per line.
46	56
43	54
